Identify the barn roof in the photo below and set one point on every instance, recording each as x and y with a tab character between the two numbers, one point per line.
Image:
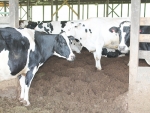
59	2
71	2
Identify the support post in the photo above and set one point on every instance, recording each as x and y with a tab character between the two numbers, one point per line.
87	10
43	11
5	7
78	9
121	7
83	12
51	10
107	8
28	9
56	10
72	13
139	89
97	9
13	13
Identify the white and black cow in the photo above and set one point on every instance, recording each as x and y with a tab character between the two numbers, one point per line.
124	34
51	27
29	24
56	27
23	23
94	35
23	51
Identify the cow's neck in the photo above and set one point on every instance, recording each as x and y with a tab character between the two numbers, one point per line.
45	45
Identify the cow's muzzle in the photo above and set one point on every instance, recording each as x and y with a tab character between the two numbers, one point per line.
122	48
71	58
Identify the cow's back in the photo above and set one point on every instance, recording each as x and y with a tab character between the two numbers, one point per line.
100	29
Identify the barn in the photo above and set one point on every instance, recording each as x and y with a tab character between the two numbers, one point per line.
77	87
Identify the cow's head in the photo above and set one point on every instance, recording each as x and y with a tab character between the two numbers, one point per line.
62	47
23	23
31	25
124	35
76	45
44	27
77	30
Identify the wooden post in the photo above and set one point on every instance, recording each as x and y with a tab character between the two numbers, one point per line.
128	10
72	13
97	10
107	8
51	10
87	10
5	7
139	82
28	10
13	13
43	11
69	15
78	9
104	10
56	10
83	12
121	7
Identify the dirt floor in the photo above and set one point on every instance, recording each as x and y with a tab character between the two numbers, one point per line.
61	86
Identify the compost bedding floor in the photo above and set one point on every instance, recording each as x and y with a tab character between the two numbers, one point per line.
61	86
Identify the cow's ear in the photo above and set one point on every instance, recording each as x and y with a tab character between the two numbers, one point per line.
38	22
71	38
114	29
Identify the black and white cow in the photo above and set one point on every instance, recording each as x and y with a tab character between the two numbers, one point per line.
94	35
23	23
56	27
124	34
23	51
30	24
51	27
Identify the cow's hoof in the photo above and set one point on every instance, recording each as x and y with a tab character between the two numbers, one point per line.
25	103
98	69
21	99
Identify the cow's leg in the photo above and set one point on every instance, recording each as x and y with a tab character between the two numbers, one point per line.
26	97
97	56
22	84
28	80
